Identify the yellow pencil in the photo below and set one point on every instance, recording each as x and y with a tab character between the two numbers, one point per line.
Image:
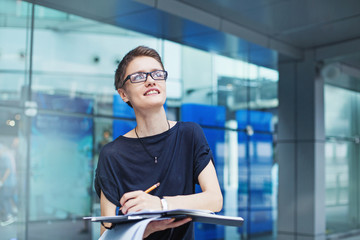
152	187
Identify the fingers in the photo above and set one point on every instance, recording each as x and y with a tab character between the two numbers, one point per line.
138	200
160	225
130	200
155	226
130	206
168	223
129	195
178	223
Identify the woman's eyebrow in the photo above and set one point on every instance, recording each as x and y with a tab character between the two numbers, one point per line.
153	69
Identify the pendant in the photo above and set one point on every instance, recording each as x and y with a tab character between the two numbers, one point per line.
155	158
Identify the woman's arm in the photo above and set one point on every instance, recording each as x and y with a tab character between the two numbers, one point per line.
209	199
107	209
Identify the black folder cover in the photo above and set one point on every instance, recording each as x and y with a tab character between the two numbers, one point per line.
196	215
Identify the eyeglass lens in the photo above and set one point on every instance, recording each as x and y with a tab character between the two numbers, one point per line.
141	76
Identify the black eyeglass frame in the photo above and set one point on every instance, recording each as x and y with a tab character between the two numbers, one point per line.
147	74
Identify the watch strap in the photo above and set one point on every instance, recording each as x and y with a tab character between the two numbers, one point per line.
164	204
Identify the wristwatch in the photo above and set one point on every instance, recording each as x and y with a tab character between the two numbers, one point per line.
164	204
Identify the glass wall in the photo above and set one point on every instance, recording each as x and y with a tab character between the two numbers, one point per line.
59	107
342	159
15	17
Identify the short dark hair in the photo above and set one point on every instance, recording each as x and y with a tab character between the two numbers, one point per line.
139	51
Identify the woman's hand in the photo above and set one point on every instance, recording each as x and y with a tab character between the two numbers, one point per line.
139	200
159	225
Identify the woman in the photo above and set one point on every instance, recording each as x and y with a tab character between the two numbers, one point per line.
176	154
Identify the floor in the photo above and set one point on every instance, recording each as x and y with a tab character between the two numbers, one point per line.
77	230
58	230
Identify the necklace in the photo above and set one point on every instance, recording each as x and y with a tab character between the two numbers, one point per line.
143	145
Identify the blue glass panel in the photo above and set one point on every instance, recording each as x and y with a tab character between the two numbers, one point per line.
126	7
122	110
63	103
163	25
260	121
263	57
255	175
61	159
212	116
148	22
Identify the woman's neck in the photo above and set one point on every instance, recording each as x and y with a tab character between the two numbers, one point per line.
150	124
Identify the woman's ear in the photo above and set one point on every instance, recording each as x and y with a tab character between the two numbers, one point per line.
123	94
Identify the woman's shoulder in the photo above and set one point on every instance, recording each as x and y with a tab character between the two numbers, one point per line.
115	145
189	125
107	149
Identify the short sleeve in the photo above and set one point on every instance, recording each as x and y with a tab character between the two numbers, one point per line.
202	151
105	178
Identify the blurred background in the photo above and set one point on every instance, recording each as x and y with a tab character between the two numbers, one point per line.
58	107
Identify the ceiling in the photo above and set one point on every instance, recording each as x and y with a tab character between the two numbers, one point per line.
257	31
328	26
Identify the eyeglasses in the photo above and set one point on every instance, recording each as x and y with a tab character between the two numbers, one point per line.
142	76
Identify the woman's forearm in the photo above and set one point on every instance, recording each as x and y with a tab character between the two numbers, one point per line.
209	200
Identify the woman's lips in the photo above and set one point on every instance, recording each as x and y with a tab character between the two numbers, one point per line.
151	92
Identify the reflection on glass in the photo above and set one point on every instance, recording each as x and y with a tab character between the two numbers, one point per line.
341	152
338	186
244	165
64	166
338	111
13	51
65	67
78	111
14	57
8	180
12	169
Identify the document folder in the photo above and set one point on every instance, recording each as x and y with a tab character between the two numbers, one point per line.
196	215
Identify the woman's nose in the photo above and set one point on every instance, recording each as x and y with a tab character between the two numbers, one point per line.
149	80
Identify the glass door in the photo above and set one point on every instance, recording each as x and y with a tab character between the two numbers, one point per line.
342	159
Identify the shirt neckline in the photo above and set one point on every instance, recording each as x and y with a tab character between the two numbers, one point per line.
153	136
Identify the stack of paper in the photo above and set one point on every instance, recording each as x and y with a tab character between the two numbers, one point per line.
196	215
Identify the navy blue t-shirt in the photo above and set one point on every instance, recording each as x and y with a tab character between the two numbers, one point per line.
124	166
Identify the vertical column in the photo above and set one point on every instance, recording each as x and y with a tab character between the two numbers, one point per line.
301	139
286	149
231	181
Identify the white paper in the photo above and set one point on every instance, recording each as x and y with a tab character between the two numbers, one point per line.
145	211
127	231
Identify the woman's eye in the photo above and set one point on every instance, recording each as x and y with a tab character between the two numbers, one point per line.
138	76
158	74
